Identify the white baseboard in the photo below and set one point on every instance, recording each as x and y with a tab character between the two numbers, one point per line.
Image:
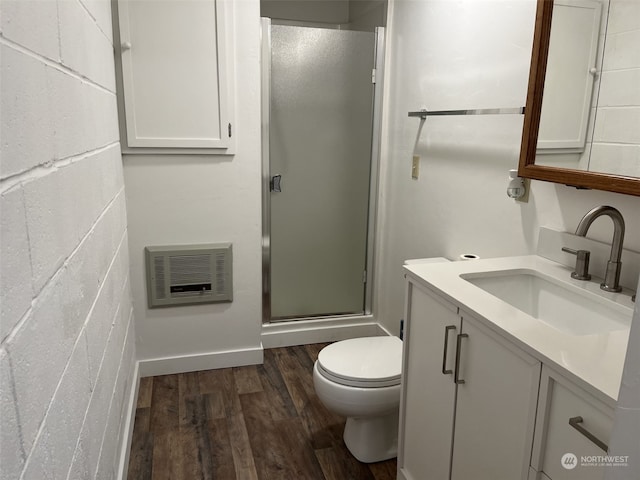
202	361
127	431
301	332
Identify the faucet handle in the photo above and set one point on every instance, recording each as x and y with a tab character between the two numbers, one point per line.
582	263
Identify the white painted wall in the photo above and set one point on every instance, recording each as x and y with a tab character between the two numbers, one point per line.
205	199
465	54
67	354
626	426
318	11
366	15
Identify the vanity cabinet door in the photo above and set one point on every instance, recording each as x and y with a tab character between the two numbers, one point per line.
496	406
428	395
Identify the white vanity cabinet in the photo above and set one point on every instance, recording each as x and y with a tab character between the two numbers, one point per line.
479	427
187	44
560	447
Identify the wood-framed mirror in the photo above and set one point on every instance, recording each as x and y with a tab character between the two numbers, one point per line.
582	117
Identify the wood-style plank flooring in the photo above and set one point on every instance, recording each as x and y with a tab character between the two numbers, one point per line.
260	422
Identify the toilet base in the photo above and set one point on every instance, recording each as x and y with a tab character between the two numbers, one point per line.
372	439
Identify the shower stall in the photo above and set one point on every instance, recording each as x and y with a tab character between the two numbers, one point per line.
320	115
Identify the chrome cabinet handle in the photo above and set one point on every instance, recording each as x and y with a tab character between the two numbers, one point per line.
446	371
456	376
274	184
576	422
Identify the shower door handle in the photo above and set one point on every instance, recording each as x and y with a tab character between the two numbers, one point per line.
274	184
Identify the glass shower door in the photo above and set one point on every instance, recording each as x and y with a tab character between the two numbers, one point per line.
320	133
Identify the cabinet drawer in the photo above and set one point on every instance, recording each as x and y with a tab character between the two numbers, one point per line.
565	401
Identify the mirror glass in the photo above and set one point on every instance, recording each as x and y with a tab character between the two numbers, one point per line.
590	116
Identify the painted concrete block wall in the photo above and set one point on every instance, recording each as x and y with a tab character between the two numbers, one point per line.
616	136
174	200
67	353
457	55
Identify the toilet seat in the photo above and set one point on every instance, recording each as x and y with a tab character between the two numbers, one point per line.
369	362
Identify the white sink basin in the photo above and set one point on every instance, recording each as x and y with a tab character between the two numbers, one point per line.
562	306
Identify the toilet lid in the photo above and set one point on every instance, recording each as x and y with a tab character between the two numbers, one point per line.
363	362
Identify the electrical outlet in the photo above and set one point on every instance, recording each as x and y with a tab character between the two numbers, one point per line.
415	167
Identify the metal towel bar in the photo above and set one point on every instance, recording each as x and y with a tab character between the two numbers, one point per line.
480	111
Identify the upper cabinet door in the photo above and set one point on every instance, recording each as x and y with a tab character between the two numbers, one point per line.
571	70
175	73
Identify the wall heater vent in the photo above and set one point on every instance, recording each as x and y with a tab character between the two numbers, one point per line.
188	274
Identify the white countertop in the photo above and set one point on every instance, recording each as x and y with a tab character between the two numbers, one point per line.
594	361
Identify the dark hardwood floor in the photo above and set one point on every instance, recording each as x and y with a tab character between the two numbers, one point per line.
257	422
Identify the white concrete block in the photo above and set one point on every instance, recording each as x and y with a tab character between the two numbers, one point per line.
15	266
83	184
79	465
93	431
621	51
624	16
52	223
67	103
39	353
100	10
27	125
619	88
84	116
621	159
101	320
103	128
124	373
52	453
118	224
62	207
106	464
12	456
113	434
96	424
618	125
32	24
112	179
110	442
83	46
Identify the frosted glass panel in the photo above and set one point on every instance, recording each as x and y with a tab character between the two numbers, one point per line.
320	136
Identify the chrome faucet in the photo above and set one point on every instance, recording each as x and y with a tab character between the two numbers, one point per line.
612	276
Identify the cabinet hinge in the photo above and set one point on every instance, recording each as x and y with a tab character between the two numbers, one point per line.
373	76
229	130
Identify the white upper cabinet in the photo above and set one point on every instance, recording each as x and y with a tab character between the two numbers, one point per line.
177	74
570	77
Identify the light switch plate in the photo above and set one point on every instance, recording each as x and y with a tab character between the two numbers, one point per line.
415	167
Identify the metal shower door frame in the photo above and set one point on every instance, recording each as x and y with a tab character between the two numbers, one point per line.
377	80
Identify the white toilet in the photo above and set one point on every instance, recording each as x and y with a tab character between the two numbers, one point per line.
359	379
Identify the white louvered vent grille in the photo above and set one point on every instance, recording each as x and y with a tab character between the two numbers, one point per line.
189	274
187	269
158	267
221	280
